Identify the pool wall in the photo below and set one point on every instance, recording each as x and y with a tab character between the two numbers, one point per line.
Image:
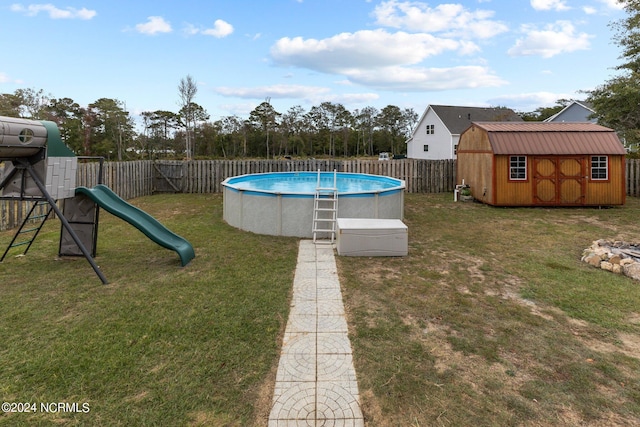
280	214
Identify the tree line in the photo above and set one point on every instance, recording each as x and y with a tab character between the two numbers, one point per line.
106	128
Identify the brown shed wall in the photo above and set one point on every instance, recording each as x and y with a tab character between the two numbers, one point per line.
523	193
612	191
475	165
512	193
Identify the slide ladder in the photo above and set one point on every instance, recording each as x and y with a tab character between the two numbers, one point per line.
30	227
325	209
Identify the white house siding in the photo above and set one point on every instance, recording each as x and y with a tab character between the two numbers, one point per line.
440	142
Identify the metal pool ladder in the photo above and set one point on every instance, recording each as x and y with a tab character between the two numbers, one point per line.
325	208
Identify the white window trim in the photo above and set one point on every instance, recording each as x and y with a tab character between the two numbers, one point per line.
606	168
511	178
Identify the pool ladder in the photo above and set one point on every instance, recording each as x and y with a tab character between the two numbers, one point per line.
325	209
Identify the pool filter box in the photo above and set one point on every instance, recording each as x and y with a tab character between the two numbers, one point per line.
371	237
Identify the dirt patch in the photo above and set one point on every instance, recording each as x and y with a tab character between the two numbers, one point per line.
371	410
630	344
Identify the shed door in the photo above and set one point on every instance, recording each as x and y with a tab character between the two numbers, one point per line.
559	181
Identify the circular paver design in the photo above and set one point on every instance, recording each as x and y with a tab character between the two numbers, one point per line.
297	402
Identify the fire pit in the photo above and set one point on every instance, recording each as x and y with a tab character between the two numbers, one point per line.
615	256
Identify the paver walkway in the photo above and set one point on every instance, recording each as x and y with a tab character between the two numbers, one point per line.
316	382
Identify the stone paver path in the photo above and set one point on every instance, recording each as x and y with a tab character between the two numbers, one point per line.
316	382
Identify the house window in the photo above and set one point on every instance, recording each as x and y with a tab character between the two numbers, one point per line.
599	167
518	168
455	150
425	147
431	129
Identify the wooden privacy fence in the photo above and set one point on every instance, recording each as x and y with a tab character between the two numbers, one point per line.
145	177
633	177
206	176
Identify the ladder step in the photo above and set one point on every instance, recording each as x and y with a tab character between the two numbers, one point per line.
15	245
28	230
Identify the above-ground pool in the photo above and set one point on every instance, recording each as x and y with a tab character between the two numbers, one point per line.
281	203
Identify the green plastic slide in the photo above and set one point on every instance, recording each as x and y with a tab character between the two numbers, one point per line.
112	203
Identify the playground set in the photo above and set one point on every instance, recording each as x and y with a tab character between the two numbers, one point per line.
40	168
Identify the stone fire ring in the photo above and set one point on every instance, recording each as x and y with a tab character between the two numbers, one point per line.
615	256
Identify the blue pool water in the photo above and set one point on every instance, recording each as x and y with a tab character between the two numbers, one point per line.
306	182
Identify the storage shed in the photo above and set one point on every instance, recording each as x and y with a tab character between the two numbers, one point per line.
542	164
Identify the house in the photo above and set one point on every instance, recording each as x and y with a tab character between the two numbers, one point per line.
438	130
576	111
542	164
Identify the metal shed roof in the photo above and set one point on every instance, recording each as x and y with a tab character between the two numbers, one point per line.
530	138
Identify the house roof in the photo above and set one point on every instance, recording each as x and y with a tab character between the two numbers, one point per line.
457	119
587	106
555	138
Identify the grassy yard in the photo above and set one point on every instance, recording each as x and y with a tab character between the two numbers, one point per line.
491	320
159	345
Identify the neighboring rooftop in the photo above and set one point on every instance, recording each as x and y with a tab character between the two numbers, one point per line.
457	119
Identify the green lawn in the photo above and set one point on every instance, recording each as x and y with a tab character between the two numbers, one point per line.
159	345
491	320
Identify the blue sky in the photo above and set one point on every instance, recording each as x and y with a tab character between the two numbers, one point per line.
522	54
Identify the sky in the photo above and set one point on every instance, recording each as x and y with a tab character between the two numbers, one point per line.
522	54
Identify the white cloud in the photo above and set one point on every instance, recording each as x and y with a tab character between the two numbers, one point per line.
530	101
311	94
220	29
154	25
274	91
558	5
348	98
363	49
553	40
54	12
419	79
613	4
386	61
589	10
4	78
450	19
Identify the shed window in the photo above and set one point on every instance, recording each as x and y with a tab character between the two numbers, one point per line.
599	167
518	168
431	129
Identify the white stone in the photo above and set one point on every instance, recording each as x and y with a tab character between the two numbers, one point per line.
632	270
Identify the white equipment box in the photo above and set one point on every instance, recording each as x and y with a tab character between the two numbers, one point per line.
371	237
